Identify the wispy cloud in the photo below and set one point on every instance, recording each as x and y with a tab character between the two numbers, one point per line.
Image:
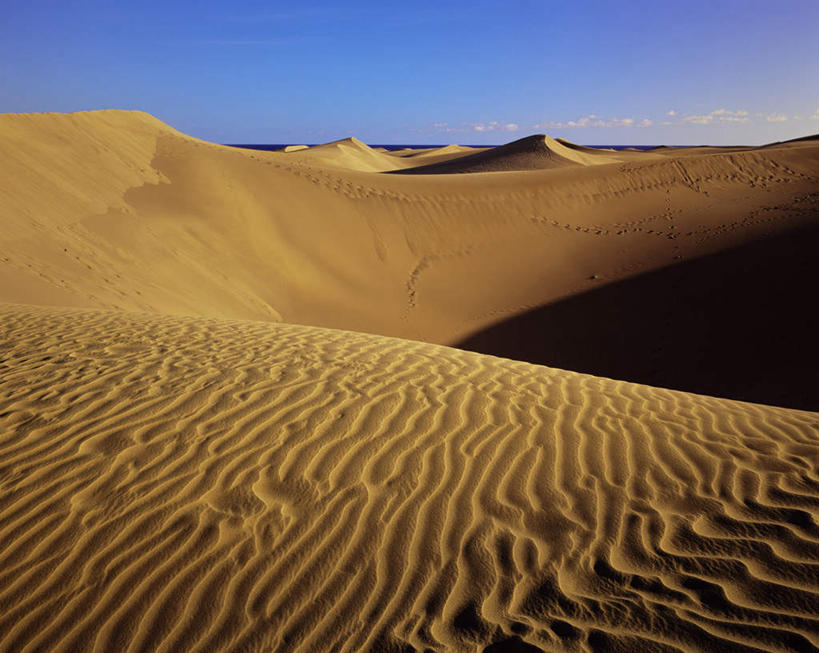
698	120
493	126
593	120
672	117
718	115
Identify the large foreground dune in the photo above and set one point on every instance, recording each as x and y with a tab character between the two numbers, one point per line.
196	485
228	420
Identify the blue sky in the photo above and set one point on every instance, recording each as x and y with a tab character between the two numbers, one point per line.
626	72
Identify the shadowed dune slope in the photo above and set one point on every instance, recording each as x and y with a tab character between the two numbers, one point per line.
418	157
352	154
741	324
116	210
529	153
199	484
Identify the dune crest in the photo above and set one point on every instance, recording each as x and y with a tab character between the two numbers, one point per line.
191	460
199	484
529	153
116	210
350	154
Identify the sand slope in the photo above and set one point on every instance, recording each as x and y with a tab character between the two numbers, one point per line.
116	210
199	485
349	153
740	324
529	153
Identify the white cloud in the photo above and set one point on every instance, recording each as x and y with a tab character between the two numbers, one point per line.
592	120
726	112
699	120
718	115
724	115
477	127
586	121
493	126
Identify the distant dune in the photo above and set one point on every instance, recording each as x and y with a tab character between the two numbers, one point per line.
117	210
530	153
200	485
227	421
349	153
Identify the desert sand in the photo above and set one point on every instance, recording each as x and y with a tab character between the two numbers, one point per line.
231	415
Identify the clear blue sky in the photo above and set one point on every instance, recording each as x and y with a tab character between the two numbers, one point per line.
632	71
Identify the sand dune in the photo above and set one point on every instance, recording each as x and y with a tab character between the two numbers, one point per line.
349	153
199	485
190	460
738	324
423	157
117	210
529	153
587	150
352	154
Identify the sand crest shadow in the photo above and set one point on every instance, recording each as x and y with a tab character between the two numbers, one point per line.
740	324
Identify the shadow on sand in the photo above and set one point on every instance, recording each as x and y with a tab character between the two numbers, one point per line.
741	324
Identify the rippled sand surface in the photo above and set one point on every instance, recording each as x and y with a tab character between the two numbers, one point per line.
230	420
199	485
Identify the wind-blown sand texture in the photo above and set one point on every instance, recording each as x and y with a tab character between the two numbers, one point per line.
199	485
195	457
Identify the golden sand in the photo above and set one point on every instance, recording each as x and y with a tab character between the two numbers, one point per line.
117	210
185	465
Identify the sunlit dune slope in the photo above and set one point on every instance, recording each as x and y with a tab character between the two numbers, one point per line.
199	484
117	210
348	153
416	157
529	153
352	154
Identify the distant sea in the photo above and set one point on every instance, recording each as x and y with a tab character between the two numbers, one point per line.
391	146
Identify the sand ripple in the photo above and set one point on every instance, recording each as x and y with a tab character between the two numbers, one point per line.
194	485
